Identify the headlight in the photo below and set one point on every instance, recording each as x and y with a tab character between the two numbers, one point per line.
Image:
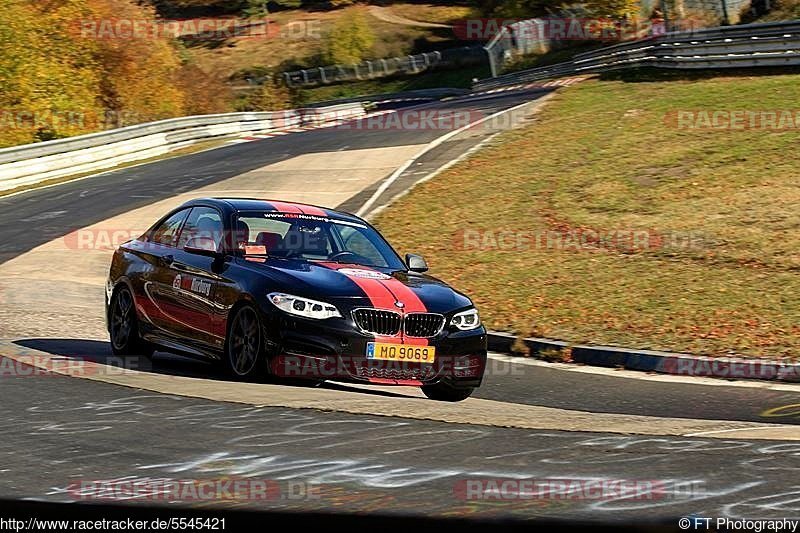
303	306
466	320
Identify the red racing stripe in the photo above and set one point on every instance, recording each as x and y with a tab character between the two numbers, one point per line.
311	210
288	207
378	294
411	302
285	207
383	294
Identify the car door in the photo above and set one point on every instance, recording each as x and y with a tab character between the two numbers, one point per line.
196	279
158	251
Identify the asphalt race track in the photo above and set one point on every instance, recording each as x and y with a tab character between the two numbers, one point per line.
714	448
81	203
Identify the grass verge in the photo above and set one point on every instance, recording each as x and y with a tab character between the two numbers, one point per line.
717	273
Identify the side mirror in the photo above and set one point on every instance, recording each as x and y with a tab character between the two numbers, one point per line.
202	246
416	263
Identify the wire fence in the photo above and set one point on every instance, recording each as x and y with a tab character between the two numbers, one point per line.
450	58
542	35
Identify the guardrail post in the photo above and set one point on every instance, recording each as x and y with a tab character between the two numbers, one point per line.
541	37
322	75
492	65
665	13
413	63
725	19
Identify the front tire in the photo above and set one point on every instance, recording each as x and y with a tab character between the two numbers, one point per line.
444	392
124	327
244	347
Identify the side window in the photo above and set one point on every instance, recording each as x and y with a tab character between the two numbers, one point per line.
356	242
167	232
204	222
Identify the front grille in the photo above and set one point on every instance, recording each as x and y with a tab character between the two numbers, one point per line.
378	322
423	324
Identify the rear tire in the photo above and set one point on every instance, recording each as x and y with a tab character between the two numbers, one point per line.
124	327
444	392
244	356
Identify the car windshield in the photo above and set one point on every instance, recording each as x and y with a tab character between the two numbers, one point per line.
314	238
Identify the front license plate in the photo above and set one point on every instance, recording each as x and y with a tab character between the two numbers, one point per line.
381	351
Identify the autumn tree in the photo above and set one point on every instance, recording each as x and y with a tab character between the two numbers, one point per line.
49	81
66	68
139	74
204	92
350	40
612	8
271	95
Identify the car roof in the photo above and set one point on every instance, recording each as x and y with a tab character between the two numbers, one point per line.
279	206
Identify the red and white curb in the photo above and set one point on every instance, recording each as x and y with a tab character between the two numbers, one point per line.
564	82
299	129
278	133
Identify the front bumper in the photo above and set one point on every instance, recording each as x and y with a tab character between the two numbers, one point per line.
335	349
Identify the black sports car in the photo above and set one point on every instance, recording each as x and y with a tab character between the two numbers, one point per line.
292	290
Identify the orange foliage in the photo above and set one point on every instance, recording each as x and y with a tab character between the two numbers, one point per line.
59	76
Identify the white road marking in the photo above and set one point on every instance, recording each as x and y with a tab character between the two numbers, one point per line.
364	209
44	216
433	174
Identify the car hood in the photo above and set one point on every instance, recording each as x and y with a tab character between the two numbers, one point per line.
352	285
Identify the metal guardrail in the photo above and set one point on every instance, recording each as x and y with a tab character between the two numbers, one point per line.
545	34
381	68
751	45
520	38
34	163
